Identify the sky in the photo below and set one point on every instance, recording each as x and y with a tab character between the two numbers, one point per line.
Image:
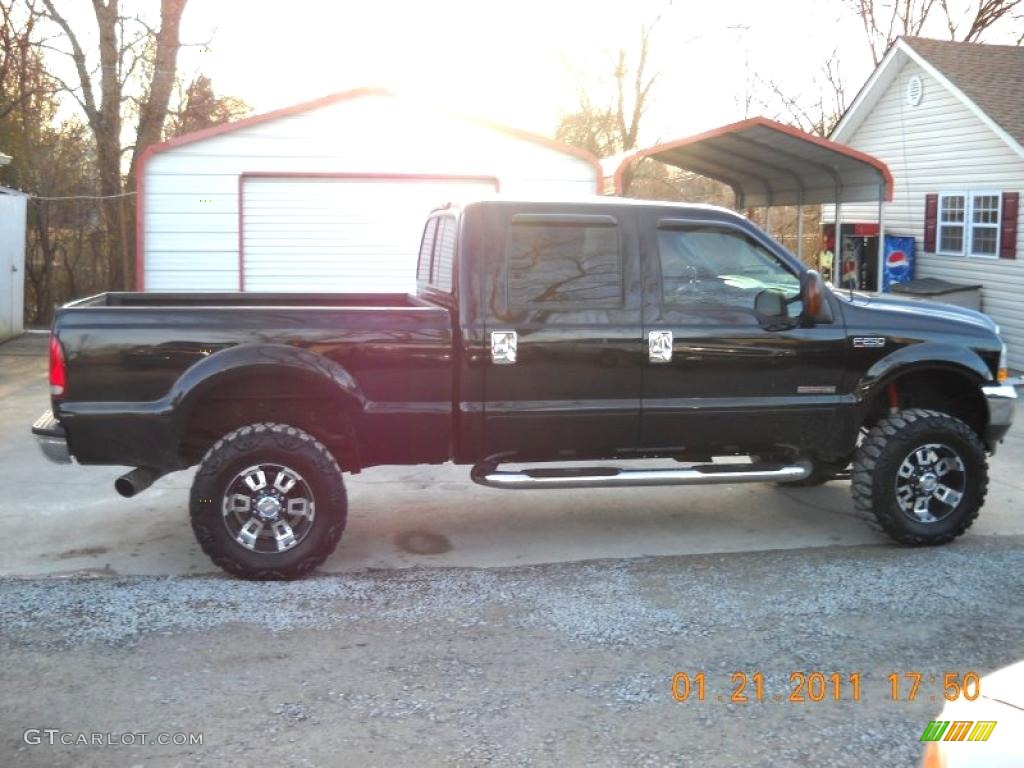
519	62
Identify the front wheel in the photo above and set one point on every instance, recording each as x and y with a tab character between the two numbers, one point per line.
268	502
922	474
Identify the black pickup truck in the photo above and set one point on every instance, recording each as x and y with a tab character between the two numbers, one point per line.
541	334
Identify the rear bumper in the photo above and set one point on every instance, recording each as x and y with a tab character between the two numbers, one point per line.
1002	405
52	439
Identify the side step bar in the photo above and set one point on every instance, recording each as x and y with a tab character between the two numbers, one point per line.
609	477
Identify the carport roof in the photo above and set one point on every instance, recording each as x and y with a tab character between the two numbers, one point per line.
768	163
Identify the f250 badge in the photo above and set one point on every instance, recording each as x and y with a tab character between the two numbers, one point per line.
868	342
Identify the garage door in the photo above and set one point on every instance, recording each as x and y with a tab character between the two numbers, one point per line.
340	233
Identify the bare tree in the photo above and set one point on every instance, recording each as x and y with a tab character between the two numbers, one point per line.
884	21
817	112
198	107
607	127
986	14
133	58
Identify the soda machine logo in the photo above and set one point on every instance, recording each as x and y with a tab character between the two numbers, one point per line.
897	263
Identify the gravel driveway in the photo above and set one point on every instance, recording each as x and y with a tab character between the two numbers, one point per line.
565	664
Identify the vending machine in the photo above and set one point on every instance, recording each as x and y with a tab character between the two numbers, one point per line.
898	266
856	259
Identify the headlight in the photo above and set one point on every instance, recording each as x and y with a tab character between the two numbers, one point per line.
1003	374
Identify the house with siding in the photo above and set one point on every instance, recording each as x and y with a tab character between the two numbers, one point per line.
948	120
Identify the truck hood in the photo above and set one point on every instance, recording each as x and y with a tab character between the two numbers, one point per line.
890	303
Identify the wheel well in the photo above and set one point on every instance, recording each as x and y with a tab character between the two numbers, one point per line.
304	401
933	389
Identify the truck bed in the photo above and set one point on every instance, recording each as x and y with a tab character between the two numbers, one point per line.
133	357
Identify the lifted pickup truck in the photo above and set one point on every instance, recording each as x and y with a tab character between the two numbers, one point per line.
540	333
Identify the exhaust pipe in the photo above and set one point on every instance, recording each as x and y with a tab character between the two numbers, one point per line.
136	481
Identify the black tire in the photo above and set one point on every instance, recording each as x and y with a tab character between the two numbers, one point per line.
295	451
894	443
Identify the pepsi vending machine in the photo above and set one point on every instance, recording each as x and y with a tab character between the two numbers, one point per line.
898	266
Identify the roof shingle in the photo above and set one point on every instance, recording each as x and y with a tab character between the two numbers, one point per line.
992	76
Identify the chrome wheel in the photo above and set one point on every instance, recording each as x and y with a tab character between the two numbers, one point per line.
930	483
268	508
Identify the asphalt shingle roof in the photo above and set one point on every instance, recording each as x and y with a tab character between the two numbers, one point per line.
992	76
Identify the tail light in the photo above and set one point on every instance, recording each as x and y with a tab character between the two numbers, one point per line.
58	375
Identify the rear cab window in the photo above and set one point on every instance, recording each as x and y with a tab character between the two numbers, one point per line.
435	269
563	261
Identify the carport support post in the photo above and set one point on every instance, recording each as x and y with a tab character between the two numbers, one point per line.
881	236
800	228
837	245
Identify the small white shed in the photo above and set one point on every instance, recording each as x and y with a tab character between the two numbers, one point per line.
948	119
12	262
330	195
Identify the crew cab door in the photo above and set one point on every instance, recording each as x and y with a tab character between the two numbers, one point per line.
718	374
563	333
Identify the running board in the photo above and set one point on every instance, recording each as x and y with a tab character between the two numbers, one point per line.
610	477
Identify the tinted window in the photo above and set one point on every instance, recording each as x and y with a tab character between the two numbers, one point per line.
426	250
722	267
552	263
444	255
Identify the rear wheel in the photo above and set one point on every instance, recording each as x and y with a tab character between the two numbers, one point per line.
922	474
268	502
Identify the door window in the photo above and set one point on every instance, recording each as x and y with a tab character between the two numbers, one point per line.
570	262
720	267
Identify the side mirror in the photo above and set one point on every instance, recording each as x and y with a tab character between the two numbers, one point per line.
813	294
770	305
770	309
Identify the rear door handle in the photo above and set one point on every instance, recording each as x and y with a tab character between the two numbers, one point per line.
659	346
503	347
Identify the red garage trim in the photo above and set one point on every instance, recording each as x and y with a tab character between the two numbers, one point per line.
334	98
743	125
385	177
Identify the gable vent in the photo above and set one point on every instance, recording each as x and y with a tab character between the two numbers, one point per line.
915	90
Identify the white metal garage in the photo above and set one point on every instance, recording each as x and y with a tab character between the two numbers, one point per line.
329	195
338	232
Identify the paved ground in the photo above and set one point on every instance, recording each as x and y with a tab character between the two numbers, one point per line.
460	625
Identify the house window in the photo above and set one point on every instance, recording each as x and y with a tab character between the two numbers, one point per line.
985	224
951	224
969	224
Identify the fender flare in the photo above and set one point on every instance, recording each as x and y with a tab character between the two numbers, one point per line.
921	357
206	374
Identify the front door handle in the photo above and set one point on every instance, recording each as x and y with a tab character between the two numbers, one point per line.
659	346
503	347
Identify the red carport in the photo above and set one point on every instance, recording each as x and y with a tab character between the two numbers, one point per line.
769	164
